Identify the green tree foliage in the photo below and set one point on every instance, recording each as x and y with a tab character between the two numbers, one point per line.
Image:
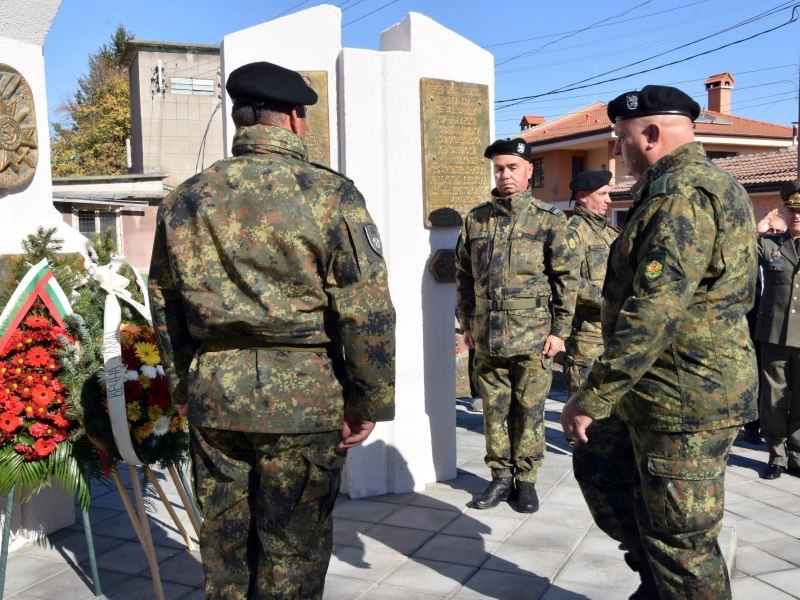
90	140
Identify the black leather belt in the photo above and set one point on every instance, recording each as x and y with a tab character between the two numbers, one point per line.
512	303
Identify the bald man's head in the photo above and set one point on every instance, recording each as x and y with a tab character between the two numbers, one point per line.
643	141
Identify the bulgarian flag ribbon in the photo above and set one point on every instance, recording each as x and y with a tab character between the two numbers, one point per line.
115	286
39	282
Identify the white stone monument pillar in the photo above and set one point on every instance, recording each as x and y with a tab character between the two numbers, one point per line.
23	28
376	139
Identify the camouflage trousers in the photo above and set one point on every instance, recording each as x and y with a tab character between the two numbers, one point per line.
267	501
661	495
514	390
580	356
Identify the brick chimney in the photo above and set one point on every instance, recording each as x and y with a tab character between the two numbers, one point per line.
529	121
719	92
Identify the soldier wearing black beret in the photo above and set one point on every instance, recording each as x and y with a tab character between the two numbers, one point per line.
266	266
778	331
515	288
678	376
591	235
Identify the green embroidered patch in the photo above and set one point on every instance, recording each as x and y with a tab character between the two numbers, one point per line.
653	270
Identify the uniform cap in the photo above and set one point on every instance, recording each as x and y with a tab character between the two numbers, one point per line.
515	147
263	81
790	192
652	100
589	180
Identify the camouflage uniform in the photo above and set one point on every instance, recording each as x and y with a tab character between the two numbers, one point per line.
515	283
593	237
269	295
678	368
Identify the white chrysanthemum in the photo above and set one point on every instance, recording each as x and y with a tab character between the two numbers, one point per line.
101	376
148	371
131	375
160	369
161	425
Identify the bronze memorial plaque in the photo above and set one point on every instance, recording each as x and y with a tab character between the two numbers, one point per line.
455	133
318	138
19	148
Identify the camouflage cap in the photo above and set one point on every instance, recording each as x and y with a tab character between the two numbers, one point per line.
790	192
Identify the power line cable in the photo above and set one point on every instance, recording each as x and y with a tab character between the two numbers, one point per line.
622	14
572	87
290	9
202	149
369	13
596	27
352	5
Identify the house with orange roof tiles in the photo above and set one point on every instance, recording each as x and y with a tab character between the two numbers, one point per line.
584	140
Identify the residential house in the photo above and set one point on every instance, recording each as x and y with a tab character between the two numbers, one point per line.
584	140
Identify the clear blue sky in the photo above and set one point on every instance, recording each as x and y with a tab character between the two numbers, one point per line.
538	46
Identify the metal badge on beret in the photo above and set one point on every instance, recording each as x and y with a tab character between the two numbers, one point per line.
790	192
652	100
19	148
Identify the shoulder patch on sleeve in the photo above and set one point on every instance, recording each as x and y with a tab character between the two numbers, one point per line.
575	221
550	208
374	238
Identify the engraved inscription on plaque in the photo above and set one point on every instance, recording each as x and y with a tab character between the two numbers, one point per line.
318	138
455	133
18	143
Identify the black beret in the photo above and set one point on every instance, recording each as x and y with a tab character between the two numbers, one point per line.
589	180
516	147
263	81
790	192
652	100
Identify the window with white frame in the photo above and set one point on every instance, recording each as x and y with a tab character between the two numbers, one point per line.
89	220
191	86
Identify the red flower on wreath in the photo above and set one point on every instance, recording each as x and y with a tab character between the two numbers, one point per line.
60	436
9	422
42	395
36	322
44	446
12	405
132	362
26	451
38	430
158	394
37	356
59	421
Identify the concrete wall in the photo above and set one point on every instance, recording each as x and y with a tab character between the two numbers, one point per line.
308	40
168	128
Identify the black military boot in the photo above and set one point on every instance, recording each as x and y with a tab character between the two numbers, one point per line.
527	499
647	590
497	492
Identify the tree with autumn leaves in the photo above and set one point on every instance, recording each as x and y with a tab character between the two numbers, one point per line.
90	139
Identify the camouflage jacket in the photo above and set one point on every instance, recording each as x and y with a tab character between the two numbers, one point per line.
265	249
592	236
515	249
778	320
680	280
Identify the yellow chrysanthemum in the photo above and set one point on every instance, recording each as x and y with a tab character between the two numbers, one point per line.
144	381
133	411
177	424
154	412
128	339
147	353
144	431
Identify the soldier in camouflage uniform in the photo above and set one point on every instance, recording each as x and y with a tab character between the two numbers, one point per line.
678	373
591	235
269	294
515	283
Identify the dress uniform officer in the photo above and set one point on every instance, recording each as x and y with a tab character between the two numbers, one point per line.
778	331
270	299
592	235
515	284
678	372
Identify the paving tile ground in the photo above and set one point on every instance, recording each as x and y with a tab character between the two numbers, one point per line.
426	546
